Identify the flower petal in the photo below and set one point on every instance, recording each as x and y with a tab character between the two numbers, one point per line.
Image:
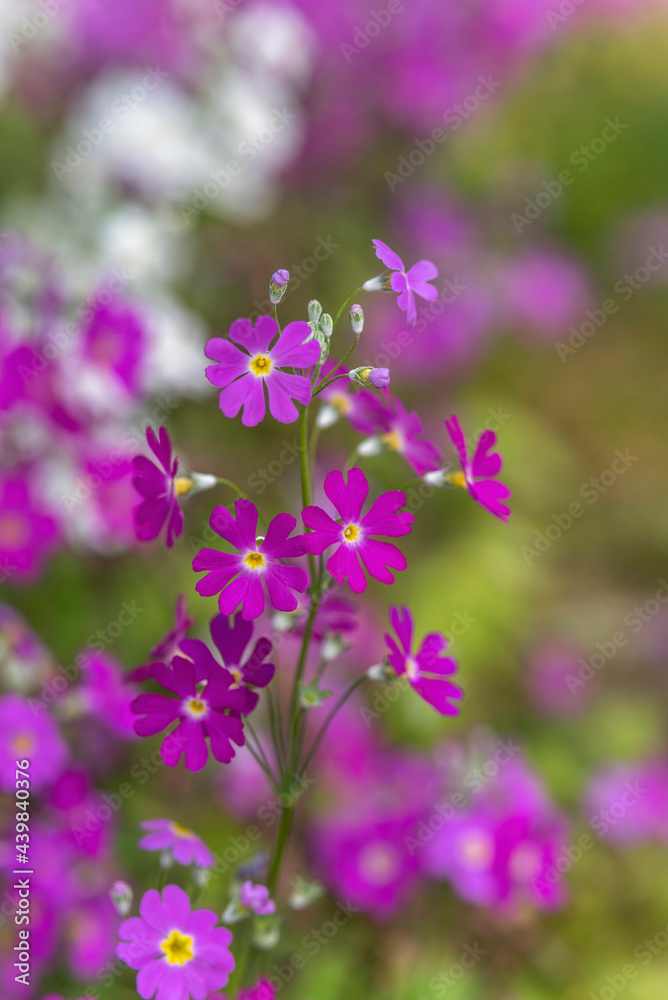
387	256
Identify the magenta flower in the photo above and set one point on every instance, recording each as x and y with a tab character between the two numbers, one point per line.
263	990
238	578
231	641
185	847
426	671
244	374
114	339
353	534
478	474
401	431
202	707
256	898
105	693
179	954
29	735
159	486
408	283
28	533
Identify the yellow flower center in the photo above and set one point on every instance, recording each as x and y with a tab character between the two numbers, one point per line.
340	402
254	560
196	707
14	531
236	673
183	484
261	365
351	533
392	440
457	479
178	948
23	743
181	831
412	669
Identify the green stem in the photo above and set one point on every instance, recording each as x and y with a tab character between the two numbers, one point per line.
232	486
324	385
344	304
338	365
325	726
241	961
282	838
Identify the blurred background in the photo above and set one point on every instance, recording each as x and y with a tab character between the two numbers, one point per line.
160	159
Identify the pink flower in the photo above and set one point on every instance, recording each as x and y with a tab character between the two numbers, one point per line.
478	474
179	954
352	535
29	735
206	706
244	374
263	990
256	898
106	694
400	430
238	578
28	533
408	283
426	670
184	845
157	483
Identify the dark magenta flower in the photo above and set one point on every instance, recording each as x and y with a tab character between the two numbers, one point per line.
204	706
184	846
353	533
114	340
246	376
399	430
159	486
239	578
263	990
408	283
478	474
179	954
426	671
28	533
231	641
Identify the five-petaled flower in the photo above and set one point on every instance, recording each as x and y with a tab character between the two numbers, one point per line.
160	486
239	577
183	844
243	374
427	669
179	954
353	533
478	474
206	706
408	283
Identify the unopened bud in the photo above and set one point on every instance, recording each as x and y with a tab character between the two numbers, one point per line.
278	285
368	376
314	310
381	283
121	896
326	325
357	318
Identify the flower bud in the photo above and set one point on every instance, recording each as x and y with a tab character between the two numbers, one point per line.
314	310
381	672
381	283
326	325
357	318
304	893
311	696
368	376
121	896
278	285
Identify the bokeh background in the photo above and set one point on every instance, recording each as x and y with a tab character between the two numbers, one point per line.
142	228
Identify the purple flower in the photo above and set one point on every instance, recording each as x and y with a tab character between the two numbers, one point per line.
106	694
280	277
28	533
408	283
26	735
114	339
202	706
239	578
426	670
244	374
352	535
256	898
158	484
379	377
184	845
179	954
263	990
628	803
478	474
401	431
231	641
